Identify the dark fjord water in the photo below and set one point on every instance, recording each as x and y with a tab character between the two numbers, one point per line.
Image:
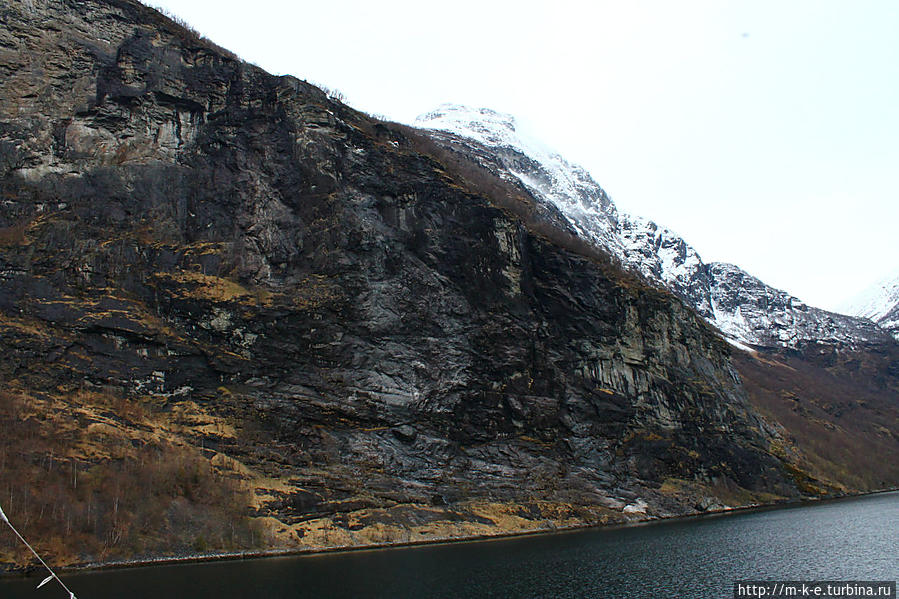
854	539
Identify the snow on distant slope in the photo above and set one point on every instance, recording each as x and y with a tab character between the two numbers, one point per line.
741	306
876	301
747	309
879	303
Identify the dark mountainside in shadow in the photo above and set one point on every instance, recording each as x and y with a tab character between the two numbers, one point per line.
832	379
238	315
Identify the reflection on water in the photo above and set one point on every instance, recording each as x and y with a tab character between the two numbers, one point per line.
853	539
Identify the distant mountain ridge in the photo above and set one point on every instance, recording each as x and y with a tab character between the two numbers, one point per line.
744	308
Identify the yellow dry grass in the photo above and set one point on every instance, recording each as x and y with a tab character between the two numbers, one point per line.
196	284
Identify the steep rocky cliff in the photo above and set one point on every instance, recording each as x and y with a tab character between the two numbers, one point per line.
236	314
831	380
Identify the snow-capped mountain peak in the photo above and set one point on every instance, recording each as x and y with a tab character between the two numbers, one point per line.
483	125
544	172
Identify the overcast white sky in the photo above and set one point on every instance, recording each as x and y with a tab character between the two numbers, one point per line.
765	132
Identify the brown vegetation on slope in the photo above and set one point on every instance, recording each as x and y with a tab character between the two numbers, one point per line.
833	409
91	476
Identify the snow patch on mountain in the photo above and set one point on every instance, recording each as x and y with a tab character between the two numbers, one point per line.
660	254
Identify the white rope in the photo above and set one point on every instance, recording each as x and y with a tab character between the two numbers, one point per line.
52	573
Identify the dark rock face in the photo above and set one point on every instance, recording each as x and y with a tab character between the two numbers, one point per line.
181	228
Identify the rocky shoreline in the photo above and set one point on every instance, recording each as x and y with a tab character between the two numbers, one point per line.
287	552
